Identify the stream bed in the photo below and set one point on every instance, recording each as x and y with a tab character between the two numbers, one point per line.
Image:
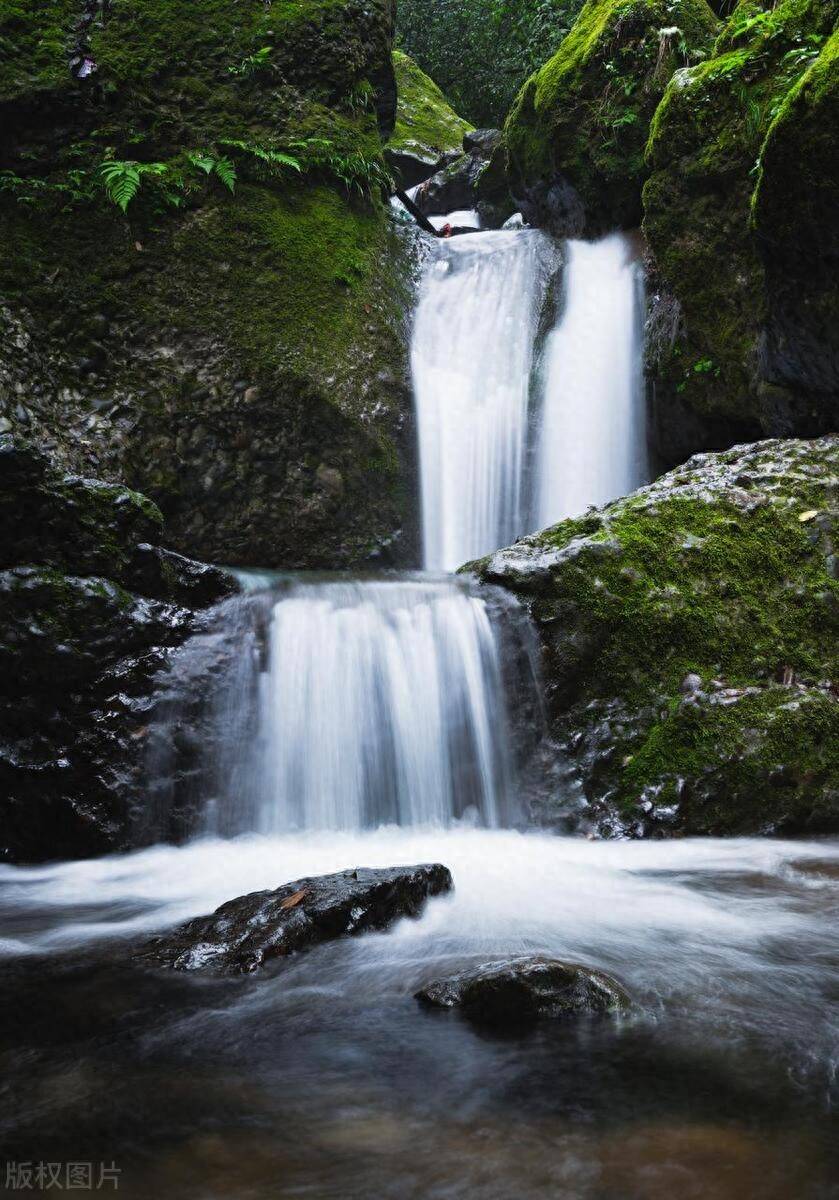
323	1078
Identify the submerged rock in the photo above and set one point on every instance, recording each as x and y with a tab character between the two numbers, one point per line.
523	990
244	934
690	636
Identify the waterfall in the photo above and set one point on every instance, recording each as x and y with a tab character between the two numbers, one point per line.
348	705
471	358
592	438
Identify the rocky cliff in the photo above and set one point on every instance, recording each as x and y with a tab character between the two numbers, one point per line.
232	343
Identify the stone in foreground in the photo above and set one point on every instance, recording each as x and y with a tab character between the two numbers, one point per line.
520	991
243	934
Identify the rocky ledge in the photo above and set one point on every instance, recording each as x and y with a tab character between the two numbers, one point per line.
90	608
690	646
523	990
243	934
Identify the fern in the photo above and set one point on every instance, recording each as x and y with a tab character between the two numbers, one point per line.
122	179
226	171
219	165
264	154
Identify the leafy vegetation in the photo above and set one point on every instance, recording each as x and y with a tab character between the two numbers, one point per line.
481	51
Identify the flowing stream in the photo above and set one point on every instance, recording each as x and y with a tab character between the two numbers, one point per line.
317	724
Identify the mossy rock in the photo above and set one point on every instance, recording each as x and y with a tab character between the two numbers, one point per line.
712	379
427	127
240	358
580	123
690	637
794	211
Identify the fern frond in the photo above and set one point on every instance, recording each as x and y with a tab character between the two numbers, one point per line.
201	159
122	181
226	171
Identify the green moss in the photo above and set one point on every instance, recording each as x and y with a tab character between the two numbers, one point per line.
703	150
767	758
35	46
667	612
585	113
724	570
425	121
301	260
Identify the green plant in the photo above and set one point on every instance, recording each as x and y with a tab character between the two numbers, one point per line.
270	158
212	164
253	63
122	179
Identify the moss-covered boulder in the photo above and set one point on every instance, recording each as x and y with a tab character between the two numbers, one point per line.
691	655
427	127
577	131
90	609
729	356
234	344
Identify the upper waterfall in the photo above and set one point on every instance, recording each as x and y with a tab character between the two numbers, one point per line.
471	357
506	448
592	437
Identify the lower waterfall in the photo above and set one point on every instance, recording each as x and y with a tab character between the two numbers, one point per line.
592	437
348	704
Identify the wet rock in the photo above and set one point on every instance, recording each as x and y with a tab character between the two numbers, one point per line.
520	991
455	187
90	609
244	934
428	133
721	571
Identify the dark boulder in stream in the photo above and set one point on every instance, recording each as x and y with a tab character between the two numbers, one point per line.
245	933
522	990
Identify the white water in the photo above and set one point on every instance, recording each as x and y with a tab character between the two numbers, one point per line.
352	704
592	439
471	356
734	934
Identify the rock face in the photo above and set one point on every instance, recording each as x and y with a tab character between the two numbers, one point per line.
743	322
90	607
468	181
240	358
427	131
244	934
797	231
577	130
690	645
518	992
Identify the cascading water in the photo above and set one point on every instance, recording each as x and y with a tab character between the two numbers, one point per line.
348	705
592	438
471	357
